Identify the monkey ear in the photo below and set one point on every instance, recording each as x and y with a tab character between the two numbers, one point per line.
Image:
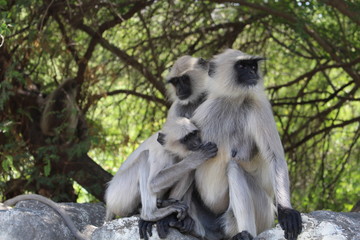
161	138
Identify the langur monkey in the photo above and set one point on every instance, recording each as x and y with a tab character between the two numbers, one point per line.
187	91
170	178
249	170
61	114
53	205
187	86
159	173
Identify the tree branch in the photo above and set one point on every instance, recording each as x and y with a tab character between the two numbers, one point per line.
344	8
326	129
313	72
331	50
134	93
127	59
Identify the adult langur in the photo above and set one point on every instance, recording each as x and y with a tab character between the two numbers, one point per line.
250	170
60	116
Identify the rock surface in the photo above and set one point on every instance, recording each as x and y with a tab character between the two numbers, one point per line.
33	220
127	229
322	225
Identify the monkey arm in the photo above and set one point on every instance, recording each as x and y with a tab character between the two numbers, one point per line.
168	177
268	141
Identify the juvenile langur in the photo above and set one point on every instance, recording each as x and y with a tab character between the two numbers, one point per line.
249	170
61	114
187	91
179	150
53	205
171	176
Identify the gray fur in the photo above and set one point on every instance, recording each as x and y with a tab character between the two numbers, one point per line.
122	196
249	169
61	114
187	110
157	171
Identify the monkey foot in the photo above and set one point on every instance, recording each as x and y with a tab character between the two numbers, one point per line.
184	226
145	229
244	235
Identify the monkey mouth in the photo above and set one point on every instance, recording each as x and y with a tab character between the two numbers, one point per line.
249	82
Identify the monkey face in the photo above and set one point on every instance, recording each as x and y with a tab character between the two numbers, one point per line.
247	72
192	141
187	79
234	74
70	86
182	86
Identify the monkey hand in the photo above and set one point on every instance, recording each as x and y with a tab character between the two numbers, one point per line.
209	150
185	226
244	235
290	222
145	229
180	208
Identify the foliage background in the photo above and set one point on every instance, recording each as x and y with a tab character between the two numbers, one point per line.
120	52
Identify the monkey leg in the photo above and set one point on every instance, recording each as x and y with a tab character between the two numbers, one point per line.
263	205
240	215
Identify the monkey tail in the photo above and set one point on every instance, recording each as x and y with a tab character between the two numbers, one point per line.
69	223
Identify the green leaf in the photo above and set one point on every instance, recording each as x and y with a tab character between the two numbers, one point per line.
7	163
47	167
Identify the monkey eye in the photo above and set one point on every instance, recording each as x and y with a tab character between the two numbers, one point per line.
174	80
184	139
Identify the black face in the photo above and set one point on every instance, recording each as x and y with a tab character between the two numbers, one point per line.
182	86
246	71
192	141
70	85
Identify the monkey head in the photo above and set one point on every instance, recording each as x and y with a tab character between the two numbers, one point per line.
234	73
187	79
70	86
180	136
